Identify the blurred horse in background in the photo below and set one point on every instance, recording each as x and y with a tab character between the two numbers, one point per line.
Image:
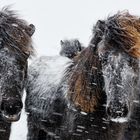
70	48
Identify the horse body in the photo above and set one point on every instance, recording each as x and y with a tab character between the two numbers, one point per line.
46	67
97	87
15	48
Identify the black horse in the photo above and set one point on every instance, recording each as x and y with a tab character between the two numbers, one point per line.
70	48
15	49
81	99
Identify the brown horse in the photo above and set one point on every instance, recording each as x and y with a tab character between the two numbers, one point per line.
81	99
15	49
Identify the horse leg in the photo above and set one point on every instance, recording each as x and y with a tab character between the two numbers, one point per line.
5	129
33	131
36	134
42	135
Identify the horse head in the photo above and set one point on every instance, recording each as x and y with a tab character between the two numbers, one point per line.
15	49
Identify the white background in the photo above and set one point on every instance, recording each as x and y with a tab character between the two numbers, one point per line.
60	19
63	19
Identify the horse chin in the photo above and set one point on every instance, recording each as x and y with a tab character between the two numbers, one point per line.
119	119
11	118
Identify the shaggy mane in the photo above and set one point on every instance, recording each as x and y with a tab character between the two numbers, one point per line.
123	30
14	33
86	81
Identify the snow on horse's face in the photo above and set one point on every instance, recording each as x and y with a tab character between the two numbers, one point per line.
15	48
119	55
120	76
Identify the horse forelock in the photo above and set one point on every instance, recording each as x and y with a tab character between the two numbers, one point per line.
123	31
13	34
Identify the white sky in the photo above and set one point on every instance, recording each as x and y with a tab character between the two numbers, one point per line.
61	19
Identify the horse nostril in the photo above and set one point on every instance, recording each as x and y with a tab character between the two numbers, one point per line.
11	107
108	111
2	106
125	110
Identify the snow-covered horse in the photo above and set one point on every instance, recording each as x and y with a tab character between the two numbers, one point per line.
70	48
81	99
15	49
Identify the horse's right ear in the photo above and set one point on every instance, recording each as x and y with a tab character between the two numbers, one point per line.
78	44
30	30
61	42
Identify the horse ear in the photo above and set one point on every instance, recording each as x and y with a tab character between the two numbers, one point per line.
78	44
61	42
30	30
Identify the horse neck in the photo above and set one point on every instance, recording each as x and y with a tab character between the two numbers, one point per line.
85	83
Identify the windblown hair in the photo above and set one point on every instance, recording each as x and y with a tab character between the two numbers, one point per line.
85	85
15	33
123	30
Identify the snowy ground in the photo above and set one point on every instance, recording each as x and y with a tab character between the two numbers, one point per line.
19	129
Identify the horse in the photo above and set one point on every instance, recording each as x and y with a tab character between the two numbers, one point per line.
94	96
70	48
15	49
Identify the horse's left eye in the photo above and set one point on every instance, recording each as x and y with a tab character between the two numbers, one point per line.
104	57
104	60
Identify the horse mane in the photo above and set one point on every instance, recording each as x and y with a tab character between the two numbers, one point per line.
86	77
123	30
14	33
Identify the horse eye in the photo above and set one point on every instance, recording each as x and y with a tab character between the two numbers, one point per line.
104	60
104	57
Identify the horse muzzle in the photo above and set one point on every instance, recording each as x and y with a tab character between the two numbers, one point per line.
117	110
10	118
11	110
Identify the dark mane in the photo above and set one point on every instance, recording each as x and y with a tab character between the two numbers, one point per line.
15	33
123	31
85	86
